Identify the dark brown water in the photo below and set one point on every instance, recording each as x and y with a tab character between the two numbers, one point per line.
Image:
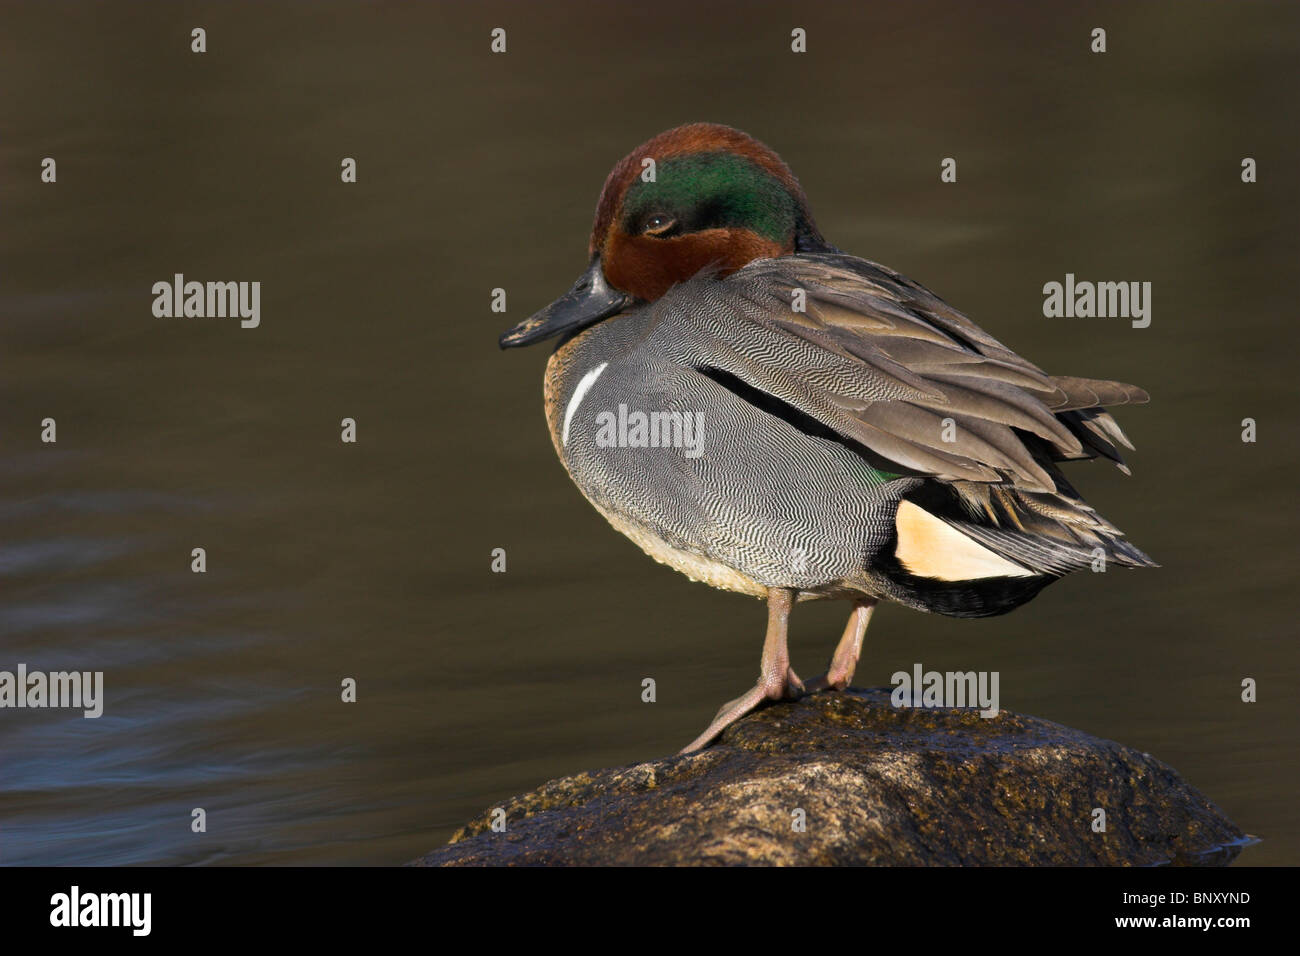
372	560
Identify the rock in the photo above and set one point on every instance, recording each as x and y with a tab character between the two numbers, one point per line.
877	786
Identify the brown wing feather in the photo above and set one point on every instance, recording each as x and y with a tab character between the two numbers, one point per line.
943	368
887	364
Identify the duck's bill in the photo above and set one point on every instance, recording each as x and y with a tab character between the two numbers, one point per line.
590	300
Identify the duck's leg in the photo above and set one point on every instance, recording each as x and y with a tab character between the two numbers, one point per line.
845	661
776	679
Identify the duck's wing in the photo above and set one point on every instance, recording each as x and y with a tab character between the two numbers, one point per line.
844	346
885	363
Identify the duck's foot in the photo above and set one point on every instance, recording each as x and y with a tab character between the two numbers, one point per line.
728	715
791	689
845	661
776	680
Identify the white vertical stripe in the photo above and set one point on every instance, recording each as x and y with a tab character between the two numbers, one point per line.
579	393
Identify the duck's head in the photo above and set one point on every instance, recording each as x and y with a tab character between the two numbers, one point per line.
712	200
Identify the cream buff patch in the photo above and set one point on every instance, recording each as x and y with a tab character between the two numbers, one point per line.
931	548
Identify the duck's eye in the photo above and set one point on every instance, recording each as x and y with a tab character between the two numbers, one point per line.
658	225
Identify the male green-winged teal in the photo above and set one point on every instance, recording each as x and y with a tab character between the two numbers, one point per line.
772	416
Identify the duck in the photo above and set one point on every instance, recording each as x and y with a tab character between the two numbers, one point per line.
775	417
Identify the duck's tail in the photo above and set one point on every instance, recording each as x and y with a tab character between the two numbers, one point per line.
973	549
1081	409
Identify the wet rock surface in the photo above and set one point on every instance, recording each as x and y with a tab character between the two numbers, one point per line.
876	786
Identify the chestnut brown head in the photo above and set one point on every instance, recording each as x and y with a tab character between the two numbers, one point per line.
701	198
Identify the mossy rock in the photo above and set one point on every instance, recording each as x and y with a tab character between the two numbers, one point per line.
876	785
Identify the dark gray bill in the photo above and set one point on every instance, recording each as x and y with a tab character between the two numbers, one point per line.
590	300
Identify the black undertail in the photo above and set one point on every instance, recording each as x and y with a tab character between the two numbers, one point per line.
980	597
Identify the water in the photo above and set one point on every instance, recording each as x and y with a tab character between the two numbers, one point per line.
372	561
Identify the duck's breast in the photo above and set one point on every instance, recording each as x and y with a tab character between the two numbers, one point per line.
687	465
